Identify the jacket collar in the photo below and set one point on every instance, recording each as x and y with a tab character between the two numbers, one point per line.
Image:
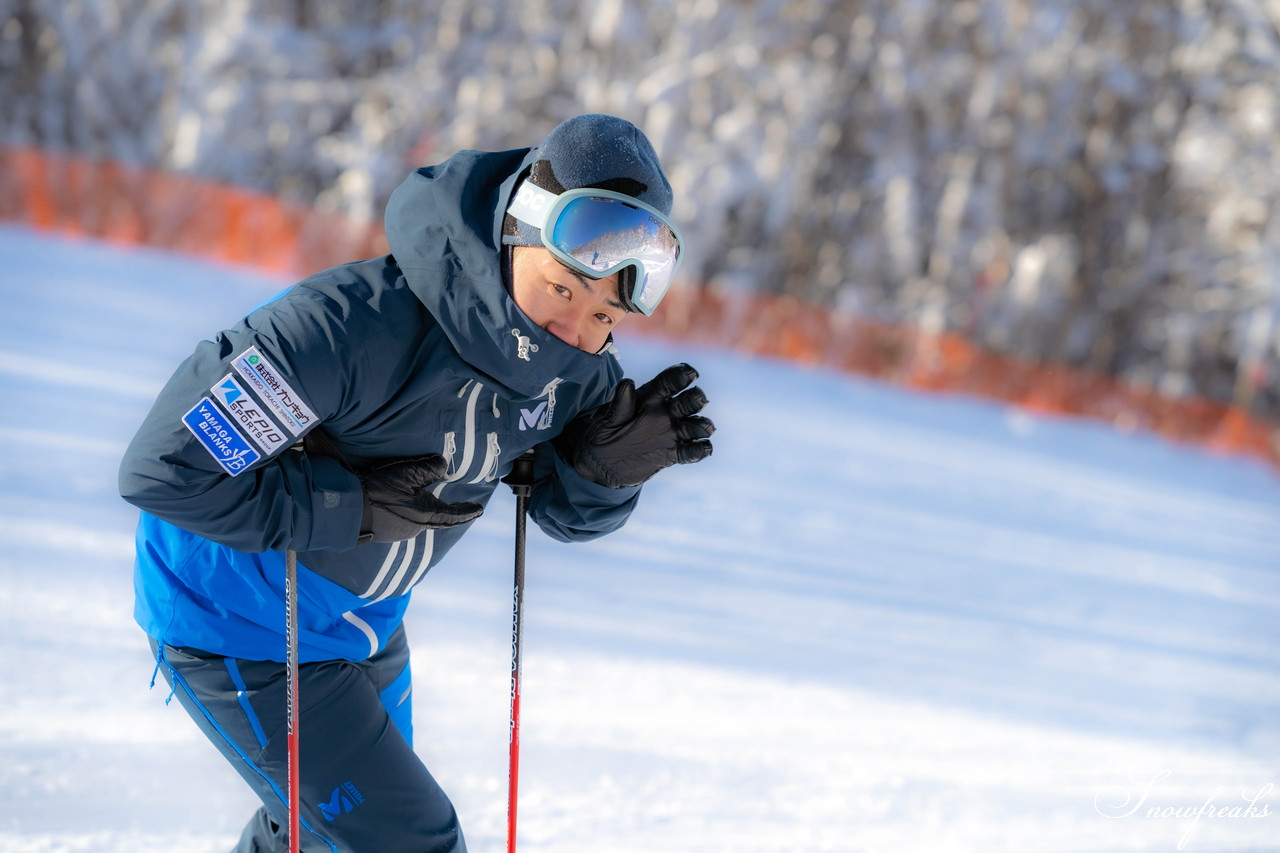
444	227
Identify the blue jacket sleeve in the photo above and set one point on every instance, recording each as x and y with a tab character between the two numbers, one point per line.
187	462
570	508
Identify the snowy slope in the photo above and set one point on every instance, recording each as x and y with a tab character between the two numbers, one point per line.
873	621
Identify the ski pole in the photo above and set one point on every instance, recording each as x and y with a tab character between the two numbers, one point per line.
521	481
291	694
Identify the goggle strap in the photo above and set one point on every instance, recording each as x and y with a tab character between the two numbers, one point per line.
532	204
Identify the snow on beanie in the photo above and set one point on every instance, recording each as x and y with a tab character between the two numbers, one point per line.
598	151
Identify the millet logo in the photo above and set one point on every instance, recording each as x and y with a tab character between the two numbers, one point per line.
534	419
344	799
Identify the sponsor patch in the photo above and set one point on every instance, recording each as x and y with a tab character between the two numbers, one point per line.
219	435
244	409
262	376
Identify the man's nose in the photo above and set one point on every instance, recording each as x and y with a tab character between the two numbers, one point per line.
567	325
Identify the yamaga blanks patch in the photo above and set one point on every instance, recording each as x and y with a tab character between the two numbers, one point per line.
212	428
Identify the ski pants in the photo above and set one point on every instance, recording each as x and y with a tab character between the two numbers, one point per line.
363	789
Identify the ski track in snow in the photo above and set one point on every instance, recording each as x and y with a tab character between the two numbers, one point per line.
873	621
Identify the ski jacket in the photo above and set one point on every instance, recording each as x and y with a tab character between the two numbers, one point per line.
420	351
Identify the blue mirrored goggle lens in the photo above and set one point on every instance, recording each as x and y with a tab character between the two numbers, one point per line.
603	234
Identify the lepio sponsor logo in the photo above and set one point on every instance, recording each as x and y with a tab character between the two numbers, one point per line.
243	408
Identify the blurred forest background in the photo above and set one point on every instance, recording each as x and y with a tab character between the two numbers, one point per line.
1082	182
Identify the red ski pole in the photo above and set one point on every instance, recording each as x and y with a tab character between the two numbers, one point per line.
520	480
291	700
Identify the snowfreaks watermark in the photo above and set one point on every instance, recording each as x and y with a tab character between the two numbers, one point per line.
1139	801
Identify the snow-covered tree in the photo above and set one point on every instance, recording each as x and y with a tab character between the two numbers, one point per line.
1073	181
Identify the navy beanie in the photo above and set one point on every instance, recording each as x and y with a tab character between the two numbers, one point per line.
598	151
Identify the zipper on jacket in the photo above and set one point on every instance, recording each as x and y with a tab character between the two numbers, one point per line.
450	448
550	412
416	562
489	470
413	560
468	439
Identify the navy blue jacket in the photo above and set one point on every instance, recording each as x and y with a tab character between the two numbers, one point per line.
421	351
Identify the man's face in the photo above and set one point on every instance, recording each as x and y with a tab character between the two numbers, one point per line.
578	310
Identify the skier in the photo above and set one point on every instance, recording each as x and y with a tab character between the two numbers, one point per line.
362	419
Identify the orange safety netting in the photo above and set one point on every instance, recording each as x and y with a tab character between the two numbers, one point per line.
131	204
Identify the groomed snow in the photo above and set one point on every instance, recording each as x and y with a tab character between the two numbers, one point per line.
873	621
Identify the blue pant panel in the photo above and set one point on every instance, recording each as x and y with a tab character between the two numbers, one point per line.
363	787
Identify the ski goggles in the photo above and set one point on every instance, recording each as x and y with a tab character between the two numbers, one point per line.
598	233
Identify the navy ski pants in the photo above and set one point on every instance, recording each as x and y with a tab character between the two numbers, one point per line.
363	790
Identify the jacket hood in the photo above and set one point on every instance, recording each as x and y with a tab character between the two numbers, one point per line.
444	227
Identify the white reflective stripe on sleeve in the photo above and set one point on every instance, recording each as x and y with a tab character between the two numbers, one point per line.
398	578
424	562
386	567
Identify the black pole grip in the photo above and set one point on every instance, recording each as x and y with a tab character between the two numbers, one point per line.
521	477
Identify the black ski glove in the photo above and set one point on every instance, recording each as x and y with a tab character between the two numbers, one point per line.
641	431
398	503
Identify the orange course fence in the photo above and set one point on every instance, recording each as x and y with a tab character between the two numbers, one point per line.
131	204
